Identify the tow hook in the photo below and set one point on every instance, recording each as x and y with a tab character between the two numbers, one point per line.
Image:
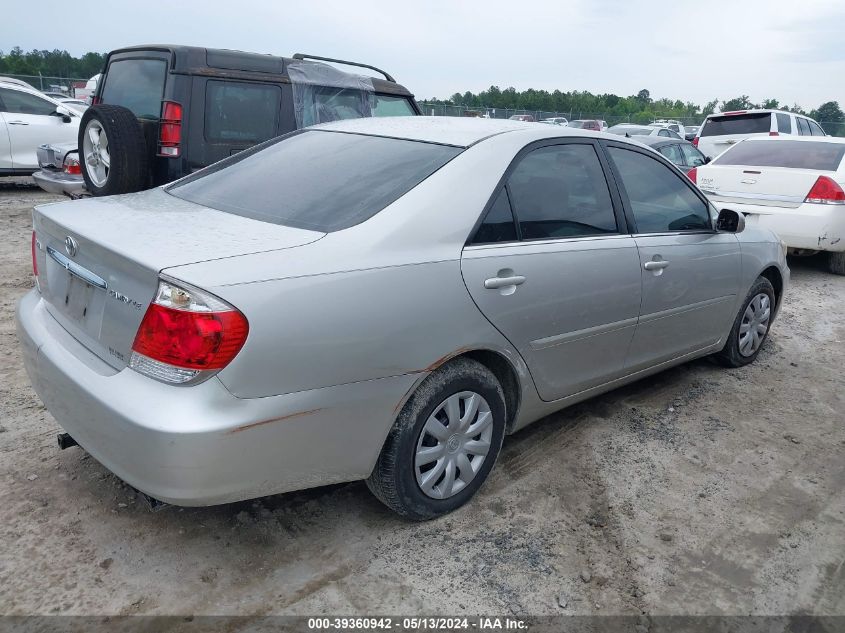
65	440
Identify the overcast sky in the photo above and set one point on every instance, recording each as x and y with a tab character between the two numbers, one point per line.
693	51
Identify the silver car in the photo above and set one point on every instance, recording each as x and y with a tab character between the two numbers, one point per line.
378	299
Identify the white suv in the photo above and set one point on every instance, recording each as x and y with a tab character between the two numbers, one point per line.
28	119
720	131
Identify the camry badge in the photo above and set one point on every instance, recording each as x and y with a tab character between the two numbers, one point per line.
71	247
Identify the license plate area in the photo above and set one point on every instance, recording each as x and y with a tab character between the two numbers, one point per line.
77	294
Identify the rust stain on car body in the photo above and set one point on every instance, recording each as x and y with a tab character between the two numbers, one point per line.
271	420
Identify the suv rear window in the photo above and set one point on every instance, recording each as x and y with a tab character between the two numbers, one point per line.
137	84
737	124
241	112
317	180
794	154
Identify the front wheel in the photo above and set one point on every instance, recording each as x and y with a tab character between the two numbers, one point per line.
751	326
443	444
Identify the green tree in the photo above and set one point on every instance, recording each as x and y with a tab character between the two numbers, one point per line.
829	112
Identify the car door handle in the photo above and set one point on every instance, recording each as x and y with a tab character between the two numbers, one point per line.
658	265
18	123
501	282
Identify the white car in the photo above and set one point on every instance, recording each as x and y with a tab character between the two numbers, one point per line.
720	131
556	120
29	119
676	126
793	186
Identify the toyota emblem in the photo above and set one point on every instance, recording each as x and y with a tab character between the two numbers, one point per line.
71	246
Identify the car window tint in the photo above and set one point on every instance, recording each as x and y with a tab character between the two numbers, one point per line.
663	132
673	153
784	125
757	123
498	224
803	127
238	112
692	157
317	180
561	191
383	105
17	102
660	200
815	129
137	84
819	155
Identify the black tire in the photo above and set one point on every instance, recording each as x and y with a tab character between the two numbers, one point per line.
127	149
393	480
730	356
836	263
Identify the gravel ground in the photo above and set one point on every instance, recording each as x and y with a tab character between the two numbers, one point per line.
697	491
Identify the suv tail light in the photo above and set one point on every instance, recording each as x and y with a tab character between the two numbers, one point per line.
695	142
71	165
774	134
170	129
826	191
95	100
692	174
187	335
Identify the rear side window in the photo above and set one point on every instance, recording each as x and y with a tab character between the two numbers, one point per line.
560	191
784	124
17	102
816	129
238	112
664	132
673	153
316	180
759	123
660	200
137	84
383	105
692	156
803	127
818	155
498	224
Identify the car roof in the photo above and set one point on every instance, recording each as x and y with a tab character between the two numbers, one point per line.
658	141
457	131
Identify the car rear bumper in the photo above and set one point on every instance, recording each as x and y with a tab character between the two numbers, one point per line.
201	445
54	181
818	227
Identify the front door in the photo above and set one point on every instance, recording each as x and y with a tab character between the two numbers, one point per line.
30	122
553	268
690	273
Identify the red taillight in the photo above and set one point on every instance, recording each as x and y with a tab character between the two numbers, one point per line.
191	340
186	332
773	134
826	191
733	112
170	129
71	166
95	100
695	142
692	174
34	252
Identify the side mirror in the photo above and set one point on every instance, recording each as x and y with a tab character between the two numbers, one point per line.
730	221
707	159
62	113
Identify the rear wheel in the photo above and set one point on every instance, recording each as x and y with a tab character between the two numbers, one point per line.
113	151
443	444
836	263
751	326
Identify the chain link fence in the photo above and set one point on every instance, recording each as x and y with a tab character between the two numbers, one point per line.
65	85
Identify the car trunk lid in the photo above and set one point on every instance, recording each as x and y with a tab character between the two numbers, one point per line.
763	186
99	258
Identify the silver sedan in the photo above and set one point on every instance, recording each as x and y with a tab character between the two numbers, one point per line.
379	299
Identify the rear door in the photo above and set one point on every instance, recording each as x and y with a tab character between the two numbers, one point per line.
553	268
690	273
30	123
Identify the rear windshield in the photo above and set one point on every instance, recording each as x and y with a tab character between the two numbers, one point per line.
136	84
794	154
737	124
317	180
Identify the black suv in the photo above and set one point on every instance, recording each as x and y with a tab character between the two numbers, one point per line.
162	112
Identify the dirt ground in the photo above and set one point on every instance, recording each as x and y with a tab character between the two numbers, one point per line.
698	491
